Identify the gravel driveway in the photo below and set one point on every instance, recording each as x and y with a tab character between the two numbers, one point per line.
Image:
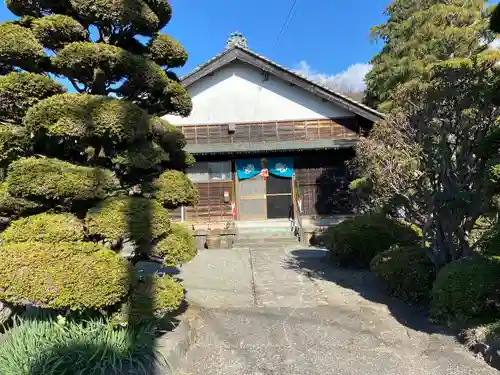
287	311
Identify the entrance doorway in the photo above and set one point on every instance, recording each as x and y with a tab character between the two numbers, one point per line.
279	197
260	199
252	198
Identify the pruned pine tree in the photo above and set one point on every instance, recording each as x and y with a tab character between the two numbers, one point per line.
90	172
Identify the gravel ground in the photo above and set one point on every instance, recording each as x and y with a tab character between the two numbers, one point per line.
286	311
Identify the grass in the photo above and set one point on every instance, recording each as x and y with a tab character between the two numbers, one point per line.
59	347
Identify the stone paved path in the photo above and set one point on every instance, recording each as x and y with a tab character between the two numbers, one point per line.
287	311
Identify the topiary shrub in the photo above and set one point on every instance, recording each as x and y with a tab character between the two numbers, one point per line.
178	247
21	90
85	116
19	47
489	242
407	271
145	155
173	189
166	134
45	227
355	241
152	298
166	51
66	151
56	31
14	142
12	206
66	275
46	178
466	289
113	219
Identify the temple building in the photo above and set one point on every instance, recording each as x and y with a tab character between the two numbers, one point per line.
267	139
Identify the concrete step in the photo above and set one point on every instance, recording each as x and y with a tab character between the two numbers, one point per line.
265	232
263	241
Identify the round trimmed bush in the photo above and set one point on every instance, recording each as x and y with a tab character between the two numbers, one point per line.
178	247
86	116
355	241
46	178
466	289
166	51
113	219
21	90
167	293
173	189
19	47
12	206
137	14
166	134
79	60
489	242
14	140
66	275
57	30
45	227
144	155
407	271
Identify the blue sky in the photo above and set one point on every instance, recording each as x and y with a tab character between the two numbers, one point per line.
323	38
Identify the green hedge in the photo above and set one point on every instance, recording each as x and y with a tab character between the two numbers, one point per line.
178	247
66	275
173	189
466	289
113	218
407	271
45	227
355	241
47	178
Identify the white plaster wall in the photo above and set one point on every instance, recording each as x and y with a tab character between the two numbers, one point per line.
237	92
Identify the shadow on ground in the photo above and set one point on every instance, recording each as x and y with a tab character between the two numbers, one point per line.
315	264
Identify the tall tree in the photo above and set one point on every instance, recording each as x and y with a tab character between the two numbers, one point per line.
435	160
89	175
422	32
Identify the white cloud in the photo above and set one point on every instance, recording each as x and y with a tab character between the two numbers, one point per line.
350	80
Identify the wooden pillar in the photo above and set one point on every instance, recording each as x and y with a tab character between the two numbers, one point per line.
236	189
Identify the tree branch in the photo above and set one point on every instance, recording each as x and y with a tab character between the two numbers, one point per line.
75	85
